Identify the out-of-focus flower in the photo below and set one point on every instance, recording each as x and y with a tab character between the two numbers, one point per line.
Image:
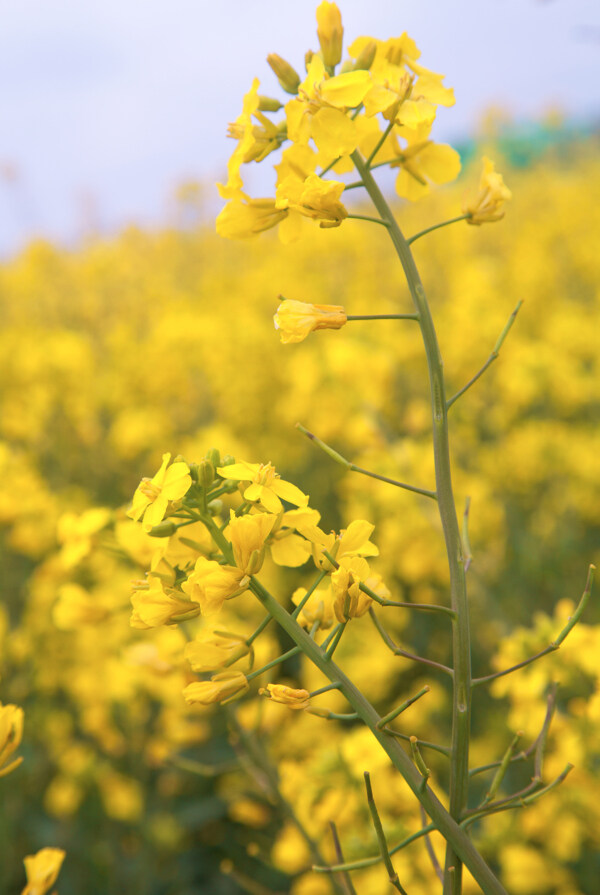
76	606
243	217
287	547
493	193
318	607
42	870
330	32
296	319
295	699
286	74
210	584
11	732
266	486
155	605
215	649
351	541
220	688
152	496
76	533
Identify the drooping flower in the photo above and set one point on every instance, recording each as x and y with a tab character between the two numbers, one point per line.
248	535
421	162
11	733
210	584
155	605
295	699
265	485
313	198
493	193
296	319
152	496
42	869
244	217
349	600
220	688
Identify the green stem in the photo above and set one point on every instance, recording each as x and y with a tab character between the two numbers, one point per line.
382	317
291	652
444	822
382	841
361	863
461	645
364	217
421	233
380	142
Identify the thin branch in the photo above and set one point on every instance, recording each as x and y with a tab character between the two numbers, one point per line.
365	217
308	595
347	882
467	552
490	359
383	846
421	233
430	850
351	467
572	621
380	142
382	317
402	707
400	652
291	652
361	863
443	750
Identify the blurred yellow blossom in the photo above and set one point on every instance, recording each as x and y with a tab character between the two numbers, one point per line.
155	605
219	688
11	732
493	193
215	649
42	870
330	32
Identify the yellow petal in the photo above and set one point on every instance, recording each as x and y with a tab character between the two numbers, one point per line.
347	90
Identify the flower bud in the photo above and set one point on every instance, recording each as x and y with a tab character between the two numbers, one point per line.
206	473
163	530
330	33
365	58
295	699
215	507
227	460
214	456
220	688
268	104
287	76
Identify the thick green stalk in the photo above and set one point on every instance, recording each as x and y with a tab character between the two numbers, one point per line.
447	825
461	702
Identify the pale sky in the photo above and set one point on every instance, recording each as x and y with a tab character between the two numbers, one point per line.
105	105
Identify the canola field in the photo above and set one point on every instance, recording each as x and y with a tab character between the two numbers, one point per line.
147	343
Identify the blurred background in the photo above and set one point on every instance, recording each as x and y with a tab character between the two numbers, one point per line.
130	329
107	106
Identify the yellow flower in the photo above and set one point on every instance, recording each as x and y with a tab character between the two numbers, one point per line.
220	688
152	496
320	109
42	870
287	547
241	129
295	699
76	606
318	607
210	584
330	32
11	732
312	198
266	486
487	205
243	217
248	535
76	533
352	541
422	162
155	605
215	649
296	319
349	600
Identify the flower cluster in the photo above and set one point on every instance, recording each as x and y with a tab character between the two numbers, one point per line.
380	102
188	578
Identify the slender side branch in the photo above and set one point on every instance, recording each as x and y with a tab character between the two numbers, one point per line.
383	846
350	890
490	359
398	651
361	863
430	850
352	467
402	707
427	230
552	647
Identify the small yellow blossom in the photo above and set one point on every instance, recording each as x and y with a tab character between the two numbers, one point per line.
318	607
313	198
155	605
220	688
349	600
330	32
75	532
266	486
243	217
295	699
287	547
210	584
352	541
215	649
76	606
422	162
248	535
152	496
42	870
296	319
487	205
11	732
